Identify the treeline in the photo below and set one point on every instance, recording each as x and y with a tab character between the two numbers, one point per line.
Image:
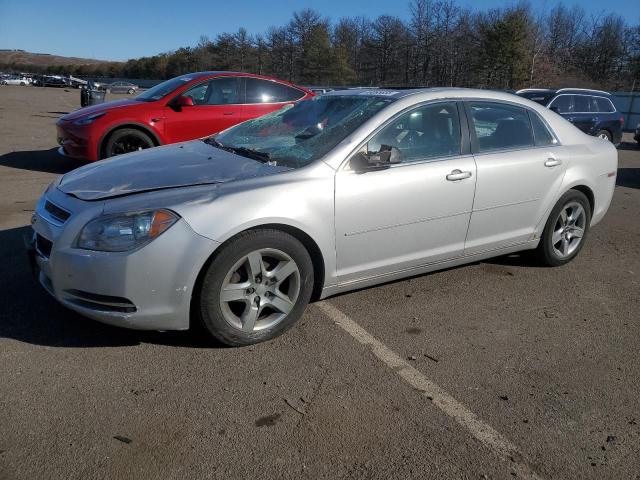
440	44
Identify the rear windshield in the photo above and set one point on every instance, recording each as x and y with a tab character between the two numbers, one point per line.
163	89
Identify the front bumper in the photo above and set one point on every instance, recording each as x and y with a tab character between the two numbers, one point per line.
76	142
146	289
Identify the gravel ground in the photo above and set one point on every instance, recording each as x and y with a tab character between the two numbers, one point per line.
548	358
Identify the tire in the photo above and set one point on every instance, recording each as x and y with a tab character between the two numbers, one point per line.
604	134
131	91
126	140
247	315
562	239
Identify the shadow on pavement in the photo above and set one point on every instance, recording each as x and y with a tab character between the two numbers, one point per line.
49	161
28	314
628	177
628	146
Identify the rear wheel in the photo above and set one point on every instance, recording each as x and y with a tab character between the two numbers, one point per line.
256	288
126	140
131	91
604	134
566	229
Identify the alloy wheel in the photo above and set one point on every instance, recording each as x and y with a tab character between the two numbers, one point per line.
260	290
569	229
128	144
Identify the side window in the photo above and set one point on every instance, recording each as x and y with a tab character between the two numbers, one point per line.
499	126
265	91
541	133
219	91
427	132
604	105
562	104
197	93
581	104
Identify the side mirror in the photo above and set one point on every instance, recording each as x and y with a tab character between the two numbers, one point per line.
362	162
184	102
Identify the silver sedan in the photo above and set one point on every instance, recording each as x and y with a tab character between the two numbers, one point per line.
241	230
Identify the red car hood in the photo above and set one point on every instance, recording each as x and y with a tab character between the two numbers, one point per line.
103	107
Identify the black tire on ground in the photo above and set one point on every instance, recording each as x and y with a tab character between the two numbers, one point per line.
131	91
126	140
604	133
545	251
207	305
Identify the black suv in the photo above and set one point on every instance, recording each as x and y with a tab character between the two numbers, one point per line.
592	111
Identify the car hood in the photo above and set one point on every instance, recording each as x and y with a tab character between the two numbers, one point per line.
180	165
101	107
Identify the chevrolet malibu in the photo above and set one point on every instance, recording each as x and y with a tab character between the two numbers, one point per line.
241	230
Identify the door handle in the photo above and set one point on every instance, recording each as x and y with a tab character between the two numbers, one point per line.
456	175
552	162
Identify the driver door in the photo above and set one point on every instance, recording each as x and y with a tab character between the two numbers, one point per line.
410	213
217	105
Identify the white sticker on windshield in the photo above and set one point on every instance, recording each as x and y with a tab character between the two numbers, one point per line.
386	93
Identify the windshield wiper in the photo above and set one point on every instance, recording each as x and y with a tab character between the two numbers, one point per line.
242	151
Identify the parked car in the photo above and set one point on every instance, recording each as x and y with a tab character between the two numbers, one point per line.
49	81
15	80
183	108
637	134
592	111
122	87
335	193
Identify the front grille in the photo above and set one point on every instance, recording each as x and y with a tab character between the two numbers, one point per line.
56	212
43	246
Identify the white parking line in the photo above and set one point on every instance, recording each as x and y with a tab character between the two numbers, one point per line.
486	434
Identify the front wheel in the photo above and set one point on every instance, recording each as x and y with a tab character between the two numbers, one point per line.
127	140
131	91
565	230
257	286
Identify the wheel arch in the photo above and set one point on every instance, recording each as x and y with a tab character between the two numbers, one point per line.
134	125
317	259
587	192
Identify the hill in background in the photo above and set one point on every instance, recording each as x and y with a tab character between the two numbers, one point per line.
20	57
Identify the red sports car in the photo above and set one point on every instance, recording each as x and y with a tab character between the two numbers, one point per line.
184	108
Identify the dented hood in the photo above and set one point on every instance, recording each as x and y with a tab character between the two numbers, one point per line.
172	166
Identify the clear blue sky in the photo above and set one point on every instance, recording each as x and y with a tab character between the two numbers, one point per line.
118	29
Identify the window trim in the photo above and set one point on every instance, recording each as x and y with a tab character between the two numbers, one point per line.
581	95
465	147
472	133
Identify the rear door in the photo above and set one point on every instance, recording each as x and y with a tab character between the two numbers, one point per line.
266	96
519	170
217	105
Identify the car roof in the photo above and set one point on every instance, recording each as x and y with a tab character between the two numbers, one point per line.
556	91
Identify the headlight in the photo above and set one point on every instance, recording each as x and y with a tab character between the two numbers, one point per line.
90	119
123	232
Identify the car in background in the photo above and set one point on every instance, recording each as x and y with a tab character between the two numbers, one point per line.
50	81
15	80
592	111
190	106
636	136
336	193
122	87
